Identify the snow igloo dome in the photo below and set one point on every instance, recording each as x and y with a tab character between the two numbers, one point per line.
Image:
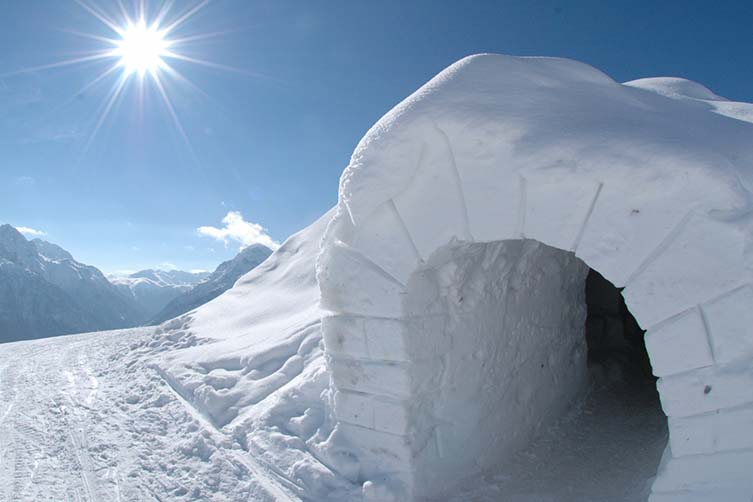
468	221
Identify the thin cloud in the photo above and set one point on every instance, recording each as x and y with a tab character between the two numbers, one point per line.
239	230
30	232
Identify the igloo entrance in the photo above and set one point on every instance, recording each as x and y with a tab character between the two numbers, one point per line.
508	338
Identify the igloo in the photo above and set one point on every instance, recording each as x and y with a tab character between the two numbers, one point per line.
454	269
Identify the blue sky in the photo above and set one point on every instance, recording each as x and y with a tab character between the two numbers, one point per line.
270	141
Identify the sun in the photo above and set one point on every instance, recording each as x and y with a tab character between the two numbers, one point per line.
141	48
145	44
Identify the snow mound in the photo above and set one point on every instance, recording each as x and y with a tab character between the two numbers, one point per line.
674	87
251	363
682	89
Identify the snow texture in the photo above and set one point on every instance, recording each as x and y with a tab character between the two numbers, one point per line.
647	182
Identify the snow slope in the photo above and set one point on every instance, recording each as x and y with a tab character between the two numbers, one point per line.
219	281
255	368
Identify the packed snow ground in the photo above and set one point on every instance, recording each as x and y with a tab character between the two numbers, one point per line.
88	418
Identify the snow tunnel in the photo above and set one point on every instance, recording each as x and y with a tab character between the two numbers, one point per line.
473	221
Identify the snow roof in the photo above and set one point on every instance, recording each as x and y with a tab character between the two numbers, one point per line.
536	113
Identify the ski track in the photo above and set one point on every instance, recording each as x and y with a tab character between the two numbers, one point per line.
87	418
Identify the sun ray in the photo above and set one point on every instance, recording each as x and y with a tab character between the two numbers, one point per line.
101	16
60	64
124	12
186	16
99	38
114	94
183	80
97	79
163	11
174	115
210	64
201	36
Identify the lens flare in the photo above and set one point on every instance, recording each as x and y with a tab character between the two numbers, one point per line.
140	49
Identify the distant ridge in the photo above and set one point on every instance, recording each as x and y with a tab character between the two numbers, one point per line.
45	292
222	279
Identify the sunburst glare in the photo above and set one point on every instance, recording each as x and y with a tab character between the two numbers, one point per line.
140	44
142	48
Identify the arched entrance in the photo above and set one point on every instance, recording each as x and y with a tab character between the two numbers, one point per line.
452	169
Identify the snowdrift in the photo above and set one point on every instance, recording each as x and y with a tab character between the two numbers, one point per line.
444	326
251	363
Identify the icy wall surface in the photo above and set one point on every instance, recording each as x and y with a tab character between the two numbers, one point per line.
650	183
499	304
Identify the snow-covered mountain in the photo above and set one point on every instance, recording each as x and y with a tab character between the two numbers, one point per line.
217	283
44	291
152	290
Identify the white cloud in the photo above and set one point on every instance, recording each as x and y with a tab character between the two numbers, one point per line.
198	271
167	266
237	229
30	232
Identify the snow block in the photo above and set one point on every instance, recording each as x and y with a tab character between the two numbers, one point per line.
383	457
344	335
373	412
433	205
703	259
350	283
383	238
731	494
366	337
385	379
679	344
492	191
706	389
557	205
730	320
721	430
727	472
629	223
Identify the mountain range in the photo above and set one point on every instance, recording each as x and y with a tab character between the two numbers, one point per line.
222	279
45	292
153	289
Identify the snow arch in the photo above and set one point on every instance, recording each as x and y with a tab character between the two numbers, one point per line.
649	187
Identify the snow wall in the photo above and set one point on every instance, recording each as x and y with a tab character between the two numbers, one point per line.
443	303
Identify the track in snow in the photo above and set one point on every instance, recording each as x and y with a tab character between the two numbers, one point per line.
87	418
